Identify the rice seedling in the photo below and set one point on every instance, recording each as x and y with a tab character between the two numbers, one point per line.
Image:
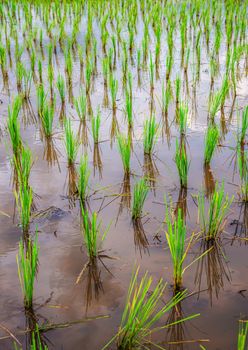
71	142
243	172
242	335
95	124
211	141
129	109
182	163
183	117
244	126
150	133
61	88
113	89
139	196
142	312
83	178
41	99
178	89
14	125
27	263
81	105
47	117
24	199
151	73
92	234
212	221
125	151
167	96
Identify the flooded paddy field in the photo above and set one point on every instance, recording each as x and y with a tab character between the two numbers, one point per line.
123	156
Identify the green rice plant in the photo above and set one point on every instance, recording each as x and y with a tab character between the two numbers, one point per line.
139	196
129	109
27	80
81	105
150	133
182	163
92	234
40	71
142	312
47	117
71	142
61	88
212	221
83	178
41	99
23	164
215	104
167	96
95	125
178	88
24	199
211	141
14	125
243	172
151	73
113	83
27	263
169	64
88	75
176	239
125	152
183	117
242	335
244	126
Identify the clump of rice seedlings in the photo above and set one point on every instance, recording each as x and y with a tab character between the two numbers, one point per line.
212	221
24	199
242	336
41	99
167	96
215	103
178	89
95	124
47	117
3	62
150	133
26	79
125	151
182	163
113	83
23	164
88	75
243	172
71	142
169	64
83	178
151	73
176	239
92	234
211	141
139	196
129	109
183	117
81	106
61	88
27	263
14	125
244	126
142	312
50	73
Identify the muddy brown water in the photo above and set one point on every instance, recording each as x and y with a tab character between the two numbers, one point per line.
218	283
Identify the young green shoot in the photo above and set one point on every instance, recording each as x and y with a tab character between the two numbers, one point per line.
139	196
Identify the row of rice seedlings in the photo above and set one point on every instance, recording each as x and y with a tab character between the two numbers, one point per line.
139	196
212	220
142	313
27	263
